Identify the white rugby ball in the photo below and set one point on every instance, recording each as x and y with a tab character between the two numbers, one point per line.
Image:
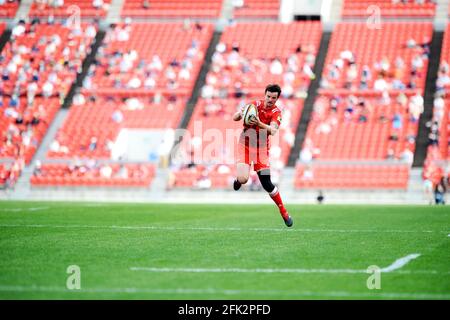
250	111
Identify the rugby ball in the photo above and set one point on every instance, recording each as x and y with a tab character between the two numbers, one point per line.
249	112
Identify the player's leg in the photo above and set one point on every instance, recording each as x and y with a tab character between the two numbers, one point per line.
242	166
264	178
242	173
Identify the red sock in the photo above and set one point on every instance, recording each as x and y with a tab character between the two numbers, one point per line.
275	195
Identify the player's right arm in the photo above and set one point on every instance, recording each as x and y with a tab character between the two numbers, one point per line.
238	115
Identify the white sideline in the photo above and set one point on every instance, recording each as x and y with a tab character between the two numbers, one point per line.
213	229
212	291
399	263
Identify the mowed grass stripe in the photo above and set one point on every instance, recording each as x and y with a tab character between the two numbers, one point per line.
226	292
36	247
213	229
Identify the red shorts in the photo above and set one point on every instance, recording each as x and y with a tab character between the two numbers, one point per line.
258	156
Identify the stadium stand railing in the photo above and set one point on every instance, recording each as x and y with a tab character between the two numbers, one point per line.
388	8
172	8
257	9
91	174
73	9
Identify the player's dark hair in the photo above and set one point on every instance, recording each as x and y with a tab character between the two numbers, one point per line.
273	88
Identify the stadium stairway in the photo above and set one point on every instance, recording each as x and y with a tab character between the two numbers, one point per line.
430	88
4	38
335	14
114	12
442	12
199	83
24	10
90	58
309	102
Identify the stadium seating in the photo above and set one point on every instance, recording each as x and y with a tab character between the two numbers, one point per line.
243	61
70	8
362	8
371	46
219	176
259	44
360	133
9	173
94	119
343	136
31	58
23	128
213	156
99	175
172	8
170	41
258	8
47	44
351	122
351	176
9	9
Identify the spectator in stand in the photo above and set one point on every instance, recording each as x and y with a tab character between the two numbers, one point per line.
203	181
276	67
397	124
97	4
117	116
37	168
47	89
106	171
93	144
366	76
416	107
407	157
433	136
438	108
381	84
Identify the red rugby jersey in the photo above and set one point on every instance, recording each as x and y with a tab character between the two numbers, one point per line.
266	115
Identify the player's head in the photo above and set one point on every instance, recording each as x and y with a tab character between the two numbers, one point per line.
271	94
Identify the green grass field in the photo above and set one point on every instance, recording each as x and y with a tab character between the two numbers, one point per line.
142	251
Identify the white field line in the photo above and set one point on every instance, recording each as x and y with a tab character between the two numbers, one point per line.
213	229
23	209
399	263
230	292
